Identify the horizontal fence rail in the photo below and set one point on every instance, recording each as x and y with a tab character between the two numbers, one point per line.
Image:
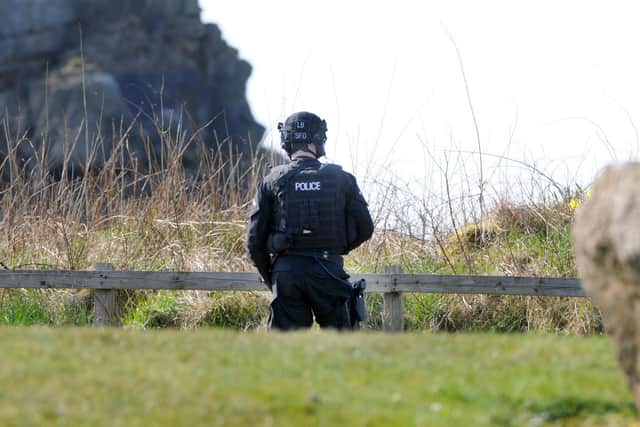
218	281
391	284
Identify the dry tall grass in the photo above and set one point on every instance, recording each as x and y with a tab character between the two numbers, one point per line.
163	217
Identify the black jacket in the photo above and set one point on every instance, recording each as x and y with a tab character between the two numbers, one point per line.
261	223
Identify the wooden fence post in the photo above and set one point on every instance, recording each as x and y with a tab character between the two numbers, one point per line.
105	308
393	307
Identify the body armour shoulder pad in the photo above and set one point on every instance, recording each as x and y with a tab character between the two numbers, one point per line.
277	172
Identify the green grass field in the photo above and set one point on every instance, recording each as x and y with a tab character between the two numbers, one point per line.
85	377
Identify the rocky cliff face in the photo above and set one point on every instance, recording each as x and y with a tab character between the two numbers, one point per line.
78	76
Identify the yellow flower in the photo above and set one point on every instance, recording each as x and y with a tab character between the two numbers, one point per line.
573	204
588	193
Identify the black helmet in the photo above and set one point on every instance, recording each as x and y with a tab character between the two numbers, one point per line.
300	129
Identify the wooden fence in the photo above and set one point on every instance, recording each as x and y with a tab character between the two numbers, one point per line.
391	284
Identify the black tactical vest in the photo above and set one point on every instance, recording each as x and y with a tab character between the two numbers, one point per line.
310	208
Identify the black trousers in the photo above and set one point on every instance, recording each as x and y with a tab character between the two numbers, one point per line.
303	289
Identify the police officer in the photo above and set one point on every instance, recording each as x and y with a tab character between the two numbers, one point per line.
306	215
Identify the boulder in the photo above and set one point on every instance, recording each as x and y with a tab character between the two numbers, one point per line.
75	123
607	249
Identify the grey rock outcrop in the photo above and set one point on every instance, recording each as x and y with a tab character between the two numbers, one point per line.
607	247
81	75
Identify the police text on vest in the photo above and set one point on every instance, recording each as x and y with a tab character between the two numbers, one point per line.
307	186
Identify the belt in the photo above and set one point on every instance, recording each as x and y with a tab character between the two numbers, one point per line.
322	255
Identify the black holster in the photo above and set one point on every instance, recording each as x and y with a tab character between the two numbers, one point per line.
357	307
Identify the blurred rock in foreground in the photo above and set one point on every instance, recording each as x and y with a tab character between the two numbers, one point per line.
152	63
607	244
